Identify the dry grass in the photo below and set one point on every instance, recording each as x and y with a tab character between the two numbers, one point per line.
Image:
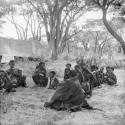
25	107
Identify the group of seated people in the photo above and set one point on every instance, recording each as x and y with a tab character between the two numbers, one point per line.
12	78
77	85
89	77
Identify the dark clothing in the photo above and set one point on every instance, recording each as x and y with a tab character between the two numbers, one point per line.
99	77
87	87
39	77
21	81
80	77
87	74
67	95
5	82
53	83
110	78
16	77
66	73
87	84
93	68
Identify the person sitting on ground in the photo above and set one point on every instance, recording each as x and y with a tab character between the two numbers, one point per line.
110	77
40	75
16	75
95	72
53	81
69	95
5	83
79	74
100	76
84	82
67	71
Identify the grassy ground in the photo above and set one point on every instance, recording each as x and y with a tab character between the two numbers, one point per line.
25	107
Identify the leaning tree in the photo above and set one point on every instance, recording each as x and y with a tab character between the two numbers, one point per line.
105	6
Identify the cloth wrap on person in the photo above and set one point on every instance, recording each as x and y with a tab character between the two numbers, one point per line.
39	76
69	94
111	79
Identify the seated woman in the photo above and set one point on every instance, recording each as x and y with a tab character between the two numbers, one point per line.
39	76
69	95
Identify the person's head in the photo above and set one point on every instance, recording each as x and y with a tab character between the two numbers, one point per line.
52	74
12	63
107	68
68	66
111	69
20	72
102	69
77	68
42	64
73	74
83	65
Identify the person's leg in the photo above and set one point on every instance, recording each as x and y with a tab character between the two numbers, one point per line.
86	105
43	81
9	87
22	81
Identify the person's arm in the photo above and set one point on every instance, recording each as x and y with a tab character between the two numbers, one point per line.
48	84
112	81
112	78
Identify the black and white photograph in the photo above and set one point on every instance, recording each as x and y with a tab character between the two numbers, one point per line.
62	62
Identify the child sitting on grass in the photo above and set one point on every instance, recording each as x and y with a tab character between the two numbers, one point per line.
67	71
53	81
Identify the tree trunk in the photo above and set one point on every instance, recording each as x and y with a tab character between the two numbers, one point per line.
54	54
52	46
112	32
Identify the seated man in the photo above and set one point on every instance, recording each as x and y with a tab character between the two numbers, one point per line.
5	82
67	71
39	76
69	95
16	76
100	77
110	77
53	81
